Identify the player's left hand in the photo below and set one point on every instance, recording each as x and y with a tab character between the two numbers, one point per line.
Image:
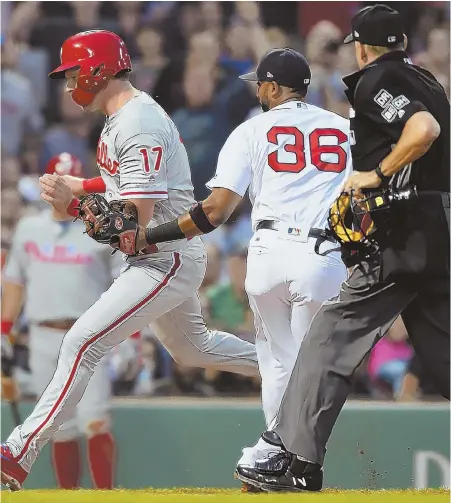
361	180
114	223
56	192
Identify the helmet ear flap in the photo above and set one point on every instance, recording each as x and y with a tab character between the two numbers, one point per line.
95	80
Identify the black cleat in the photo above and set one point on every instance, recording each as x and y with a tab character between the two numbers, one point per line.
249	479
245	472
283	472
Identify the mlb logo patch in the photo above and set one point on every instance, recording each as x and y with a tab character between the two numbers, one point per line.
294	231
383	97
389	113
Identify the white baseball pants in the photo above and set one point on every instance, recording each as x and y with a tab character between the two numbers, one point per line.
286	282
161	290
95	405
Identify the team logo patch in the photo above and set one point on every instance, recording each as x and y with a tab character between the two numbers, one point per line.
118	223
400	101
383	98
389	113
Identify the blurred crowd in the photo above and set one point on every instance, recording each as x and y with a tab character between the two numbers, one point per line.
188	55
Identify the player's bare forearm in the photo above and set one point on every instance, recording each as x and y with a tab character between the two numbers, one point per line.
419	133
12	300
76	185
201	219
145	209
188	227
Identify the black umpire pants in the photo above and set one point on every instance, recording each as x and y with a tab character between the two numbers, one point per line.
342	333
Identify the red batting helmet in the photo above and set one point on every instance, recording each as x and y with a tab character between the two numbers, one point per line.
64	164
99	55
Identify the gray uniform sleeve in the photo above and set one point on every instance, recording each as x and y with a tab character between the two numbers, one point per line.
142	160
15	267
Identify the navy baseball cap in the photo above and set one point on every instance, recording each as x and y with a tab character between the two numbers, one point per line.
377	25
284	66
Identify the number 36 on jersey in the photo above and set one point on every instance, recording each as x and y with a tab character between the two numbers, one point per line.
321	149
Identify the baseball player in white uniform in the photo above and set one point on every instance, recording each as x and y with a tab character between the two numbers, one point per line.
293	159
57	273
143	161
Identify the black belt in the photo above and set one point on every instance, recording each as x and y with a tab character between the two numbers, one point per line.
321	235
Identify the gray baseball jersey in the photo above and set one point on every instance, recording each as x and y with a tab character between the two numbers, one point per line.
64	271
142	139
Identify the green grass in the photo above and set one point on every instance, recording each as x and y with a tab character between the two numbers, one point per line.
222	496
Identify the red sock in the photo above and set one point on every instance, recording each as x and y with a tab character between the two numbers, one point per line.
66	463
102	460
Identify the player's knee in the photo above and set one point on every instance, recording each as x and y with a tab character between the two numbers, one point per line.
97	427
192	357
75	339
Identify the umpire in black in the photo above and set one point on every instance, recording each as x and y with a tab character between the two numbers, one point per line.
400	131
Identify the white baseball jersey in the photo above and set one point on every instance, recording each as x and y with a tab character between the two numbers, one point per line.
64	271
136	146
293	158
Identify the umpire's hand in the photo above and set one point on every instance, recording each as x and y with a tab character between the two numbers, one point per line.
361	180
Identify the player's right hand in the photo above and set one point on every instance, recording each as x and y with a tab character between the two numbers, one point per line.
56	192
9	389
75	184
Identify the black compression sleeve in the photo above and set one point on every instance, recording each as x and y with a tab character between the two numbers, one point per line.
170	231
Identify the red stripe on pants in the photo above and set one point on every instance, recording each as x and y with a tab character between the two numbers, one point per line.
92	341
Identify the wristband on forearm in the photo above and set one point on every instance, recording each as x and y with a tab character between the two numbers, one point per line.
94	185
381	175
169	231
7	327
72	209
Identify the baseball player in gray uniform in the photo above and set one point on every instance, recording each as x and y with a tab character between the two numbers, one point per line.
49	265
143	161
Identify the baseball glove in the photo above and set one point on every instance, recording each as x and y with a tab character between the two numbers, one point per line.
114	223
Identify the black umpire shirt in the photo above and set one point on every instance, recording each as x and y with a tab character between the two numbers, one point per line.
383	96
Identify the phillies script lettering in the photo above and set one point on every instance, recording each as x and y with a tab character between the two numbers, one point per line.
57	254
104	162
